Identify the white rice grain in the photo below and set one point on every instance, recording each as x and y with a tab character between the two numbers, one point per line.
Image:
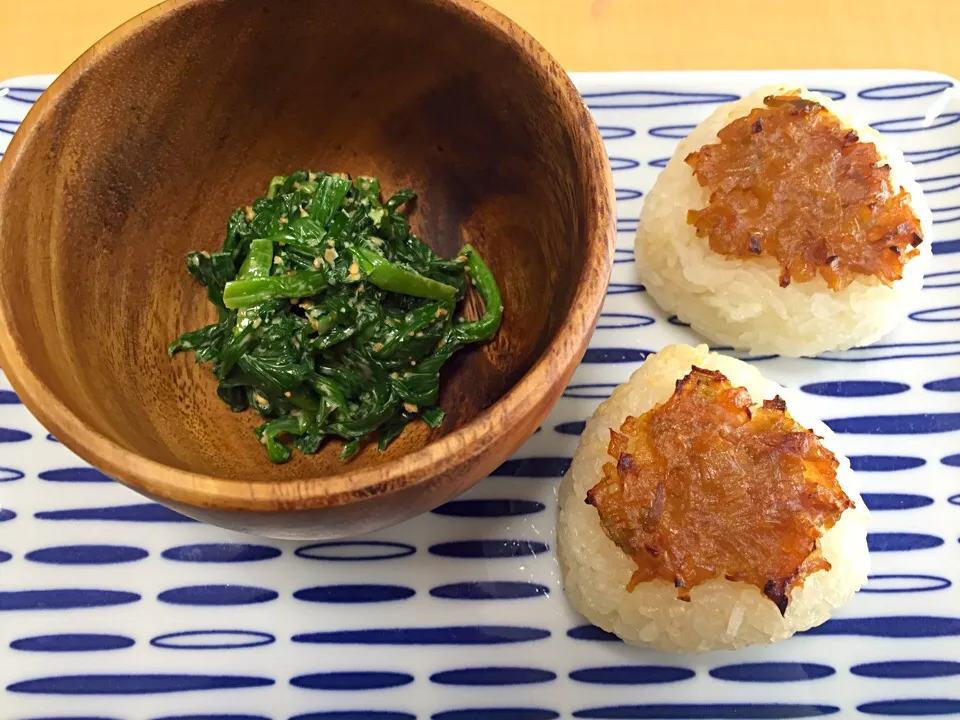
739	302
721	614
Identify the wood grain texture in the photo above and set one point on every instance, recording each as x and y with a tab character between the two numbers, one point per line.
140	151
45	35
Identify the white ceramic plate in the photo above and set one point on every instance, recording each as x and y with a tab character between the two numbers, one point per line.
112	607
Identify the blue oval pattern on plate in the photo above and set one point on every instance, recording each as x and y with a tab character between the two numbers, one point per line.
945	247
6	515
490	590
10	475
659	162
450	635
647	99
772	672
574	428
915	124
943	215
5	556
493	676
217	716
898	626
901	541
832	94
217	595
213	640
951	460
9	397
590	391
9	435
672	132
897	424
615	355
632	675
134	684
954	499
623	321
912	707
592	633
624	194
908	669
619	163
347	594
610	132
489	508
904	583
497	713
920	157
884	463
77	474
905	91
65	599
855	388
144	512
895	501
221	553
951	384
945	279
742	711
356	715
26	95
535	467
937	315
939	183
75	642
355	550
87	555
351	681
618	288
489	549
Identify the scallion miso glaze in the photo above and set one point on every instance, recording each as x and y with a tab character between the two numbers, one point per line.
334	318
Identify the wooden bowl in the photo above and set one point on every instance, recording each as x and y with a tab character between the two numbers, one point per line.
140	151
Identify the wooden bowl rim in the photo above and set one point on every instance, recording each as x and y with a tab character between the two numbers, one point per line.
437	458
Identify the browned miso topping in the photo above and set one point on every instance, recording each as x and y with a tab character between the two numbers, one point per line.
702	486
790	182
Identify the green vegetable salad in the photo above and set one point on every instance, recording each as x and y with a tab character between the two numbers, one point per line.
335	319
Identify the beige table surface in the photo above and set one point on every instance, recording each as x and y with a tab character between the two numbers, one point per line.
44	36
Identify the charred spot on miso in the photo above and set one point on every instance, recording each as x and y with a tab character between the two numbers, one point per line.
708	447
822	200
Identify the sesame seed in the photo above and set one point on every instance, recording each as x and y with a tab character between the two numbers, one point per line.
277	260
288	394
461	258
205	253
466	268
311	176
250	213
354	268
303	213
260	398
257	323
294	301
330	243
283	220
410	407
443	341
394	376
419	334
263	439
314	324
296	186
330	255
440	312
291	273
306	304
317	262
377	347
413	362
376	241
410	333
353	277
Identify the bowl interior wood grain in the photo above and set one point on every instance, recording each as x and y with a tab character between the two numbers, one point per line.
142	150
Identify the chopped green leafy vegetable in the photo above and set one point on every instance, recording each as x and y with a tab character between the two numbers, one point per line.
334	318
